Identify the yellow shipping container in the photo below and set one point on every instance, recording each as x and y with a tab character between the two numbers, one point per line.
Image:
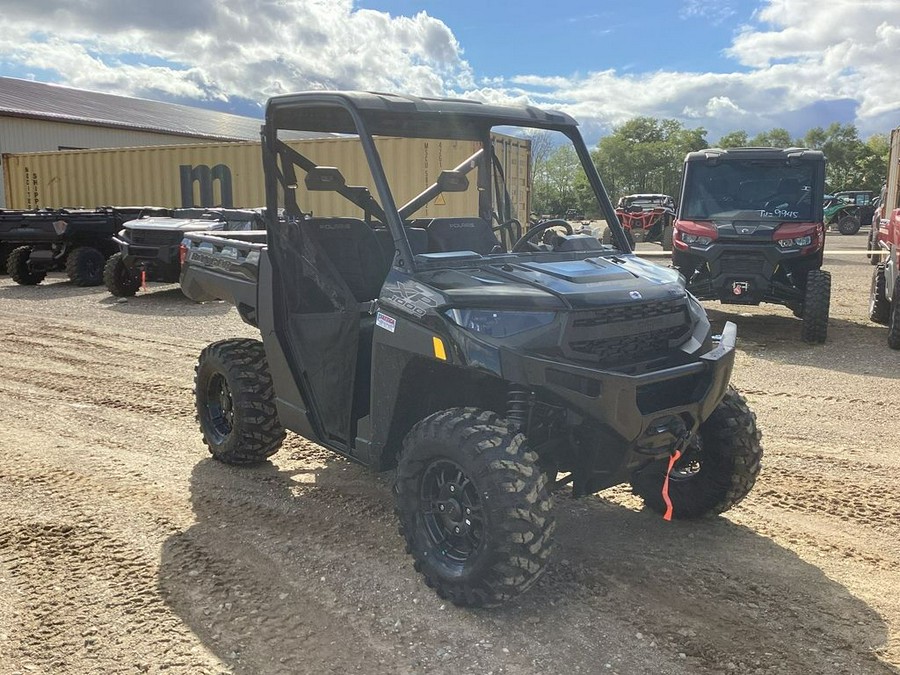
230	174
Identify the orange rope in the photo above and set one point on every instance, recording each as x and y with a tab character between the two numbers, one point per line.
665	490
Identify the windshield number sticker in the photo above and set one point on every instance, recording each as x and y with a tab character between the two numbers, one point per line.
779	213
389	323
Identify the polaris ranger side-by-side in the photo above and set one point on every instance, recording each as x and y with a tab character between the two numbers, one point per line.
400	331
149	247
750	230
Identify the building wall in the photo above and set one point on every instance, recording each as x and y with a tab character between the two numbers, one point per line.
19	135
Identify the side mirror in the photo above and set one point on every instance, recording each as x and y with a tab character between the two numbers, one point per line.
324	179
452	181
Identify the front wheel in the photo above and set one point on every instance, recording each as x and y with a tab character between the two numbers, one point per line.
849	225
84	266
668	235
121	280
717	470
20	270
894	322
473	507
235	402
816	304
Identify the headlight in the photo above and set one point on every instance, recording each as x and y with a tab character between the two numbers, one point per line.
695	239
798	241
499	324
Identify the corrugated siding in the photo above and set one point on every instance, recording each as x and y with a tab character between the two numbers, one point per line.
18	135
231	174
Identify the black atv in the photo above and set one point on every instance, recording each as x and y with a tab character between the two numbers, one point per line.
75	240
149	247
485	374
750	230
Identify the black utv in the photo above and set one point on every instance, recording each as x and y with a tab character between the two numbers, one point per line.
750	229
75	240
485	373
150	247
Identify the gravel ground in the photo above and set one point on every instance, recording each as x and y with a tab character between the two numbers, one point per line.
124	548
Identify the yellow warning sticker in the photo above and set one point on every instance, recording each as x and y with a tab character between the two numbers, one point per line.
440	201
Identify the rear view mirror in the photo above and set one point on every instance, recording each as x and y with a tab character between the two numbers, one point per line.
324	179
452	181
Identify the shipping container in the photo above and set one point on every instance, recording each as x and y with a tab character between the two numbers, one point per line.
230	174
892	198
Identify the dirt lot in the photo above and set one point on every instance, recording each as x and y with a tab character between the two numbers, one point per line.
123	548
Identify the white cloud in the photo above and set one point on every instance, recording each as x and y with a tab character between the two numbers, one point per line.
215	50
800	63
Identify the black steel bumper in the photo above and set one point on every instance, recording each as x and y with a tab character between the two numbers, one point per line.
648	412
162	261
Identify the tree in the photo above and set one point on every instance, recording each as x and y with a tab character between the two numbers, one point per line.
734	139
555	182
646	155
851	163
774	138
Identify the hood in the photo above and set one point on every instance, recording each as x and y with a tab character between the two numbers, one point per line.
186	224
545	285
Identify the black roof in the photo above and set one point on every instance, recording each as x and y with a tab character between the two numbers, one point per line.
801	154
37	100
403	115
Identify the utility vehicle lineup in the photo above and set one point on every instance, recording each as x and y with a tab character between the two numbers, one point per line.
75	240
486	369
750	229
645	218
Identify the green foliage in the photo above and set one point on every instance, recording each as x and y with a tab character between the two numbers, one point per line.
646	155
852	164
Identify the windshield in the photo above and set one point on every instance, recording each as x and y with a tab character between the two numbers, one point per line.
759	189
453	196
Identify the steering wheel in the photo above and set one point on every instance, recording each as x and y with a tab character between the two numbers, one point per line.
534	232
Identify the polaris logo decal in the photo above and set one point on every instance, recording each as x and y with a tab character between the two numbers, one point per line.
635	295
740	287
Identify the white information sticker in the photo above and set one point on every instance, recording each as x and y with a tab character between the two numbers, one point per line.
386	322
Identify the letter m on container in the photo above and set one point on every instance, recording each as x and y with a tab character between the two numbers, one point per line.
202	175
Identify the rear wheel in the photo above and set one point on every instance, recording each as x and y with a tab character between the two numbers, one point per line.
19	269
5	250
84	266
667	235
473	507
717	470
816	306
849	225
894	322
121	280
235	402
879	306
606	237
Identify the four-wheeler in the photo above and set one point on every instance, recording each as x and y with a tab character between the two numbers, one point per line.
750	230
483	374
884	296
76	240
849	210
149	247
645	217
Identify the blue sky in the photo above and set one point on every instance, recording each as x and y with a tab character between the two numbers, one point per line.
718	64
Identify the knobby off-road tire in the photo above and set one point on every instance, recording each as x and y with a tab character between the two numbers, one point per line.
893	339
849	225
21	273
816	306
879	306
668	235
473	507
716	473
120	280
872	246
235	402
606	236
5	250
84	266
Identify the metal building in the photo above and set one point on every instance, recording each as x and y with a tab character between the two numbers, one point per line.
37	117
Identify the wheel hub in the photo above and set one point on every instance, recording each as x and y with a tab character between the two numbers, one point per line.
452	511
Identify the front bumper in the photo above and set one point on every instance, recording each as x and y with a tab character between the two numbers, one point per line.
161	261
647	412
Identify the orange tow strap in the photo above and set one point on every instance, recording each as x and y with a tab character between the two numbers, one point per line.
665	490
143	280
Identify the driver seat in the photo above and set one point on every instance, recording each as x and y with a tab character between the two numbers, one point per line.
461	234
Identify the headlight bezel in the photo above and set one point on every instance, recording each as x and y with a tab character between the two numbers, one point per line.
499	324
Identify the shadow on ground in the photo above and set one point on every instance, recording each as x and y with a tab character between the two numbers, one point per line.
299	569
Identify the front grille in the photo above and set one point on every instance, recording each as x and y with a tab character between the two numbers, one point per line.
741	263
627	333
154	237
